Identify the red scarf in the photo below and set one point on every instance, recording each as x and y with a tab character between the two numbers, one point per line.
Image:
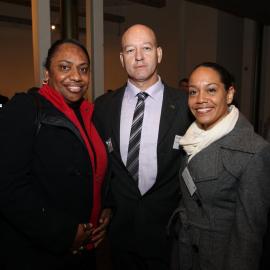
99	169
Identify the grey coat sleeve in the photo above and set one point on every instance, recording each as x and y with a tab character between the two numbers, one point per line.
253	200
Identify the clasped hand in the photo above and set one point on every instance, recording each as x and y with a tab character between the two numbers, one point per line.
86	233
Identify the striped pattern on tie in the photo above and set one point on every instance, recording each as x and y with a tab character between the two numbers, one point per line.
135	137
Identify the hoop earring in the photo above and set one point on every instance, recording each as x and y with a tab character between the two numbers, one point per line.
44	82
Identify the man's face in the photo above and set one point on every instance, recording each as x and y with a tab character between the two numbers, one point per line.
140	56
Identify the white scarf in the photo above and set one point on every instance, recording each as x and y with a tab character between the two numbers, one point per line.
196	139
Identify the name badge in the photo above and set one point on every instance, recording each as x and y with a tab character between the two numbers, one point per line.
176	142
109	145
189	181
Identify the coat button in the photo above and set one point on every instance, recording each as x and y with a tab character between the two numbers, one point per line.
75	173
195	248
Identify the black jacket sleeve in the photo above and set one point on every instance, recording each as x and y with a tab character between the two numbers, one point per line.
22	202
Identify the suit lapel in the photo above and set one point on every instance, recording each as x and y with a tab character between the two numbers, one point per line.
115	114
168	113
115	132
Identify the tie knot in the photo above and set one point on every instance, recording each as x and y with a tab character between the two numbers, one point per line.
142	96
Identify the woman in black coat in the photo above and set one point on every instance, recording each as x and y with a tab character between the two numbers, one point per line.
53	163
225	181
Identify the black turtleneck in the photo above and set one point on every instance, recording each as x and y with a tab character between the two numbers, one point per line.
75	106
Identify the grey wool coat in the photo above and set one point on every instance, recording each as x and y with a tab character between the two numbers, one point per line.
223	224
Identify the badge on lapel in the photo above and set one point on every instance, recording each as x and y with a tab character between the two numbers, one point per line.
109	145
176	142
189	181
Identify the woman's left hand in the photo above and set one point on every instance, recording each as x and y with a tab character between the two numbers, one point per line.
98	233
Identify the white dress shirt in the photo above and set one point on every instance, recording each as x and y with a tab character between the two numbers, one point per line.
150	130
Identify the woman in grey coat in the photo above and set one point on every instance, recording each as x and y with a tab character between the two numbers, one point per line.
225	181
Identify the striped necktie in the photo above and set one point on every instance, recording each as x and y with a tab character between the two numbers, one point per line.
135	137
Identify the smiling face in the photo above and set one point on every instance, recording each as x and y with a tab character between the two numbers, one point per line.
208	100
140	56
68	72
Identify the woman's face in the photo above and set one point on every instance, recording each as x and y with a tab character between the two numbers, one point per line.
69	72
208	100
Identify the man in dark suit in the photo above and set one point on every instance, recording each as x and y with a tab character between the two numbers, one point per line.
142	204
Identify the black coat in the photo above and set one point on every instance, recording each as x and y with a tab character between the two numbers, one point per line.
139	222
45	186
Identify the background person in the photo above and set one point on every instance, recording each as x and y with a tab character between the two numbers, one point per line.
3	101
183	85
225	181
52	169
143	201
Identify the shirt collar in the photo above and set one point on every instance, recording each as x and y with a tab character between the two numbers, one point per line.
153	91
